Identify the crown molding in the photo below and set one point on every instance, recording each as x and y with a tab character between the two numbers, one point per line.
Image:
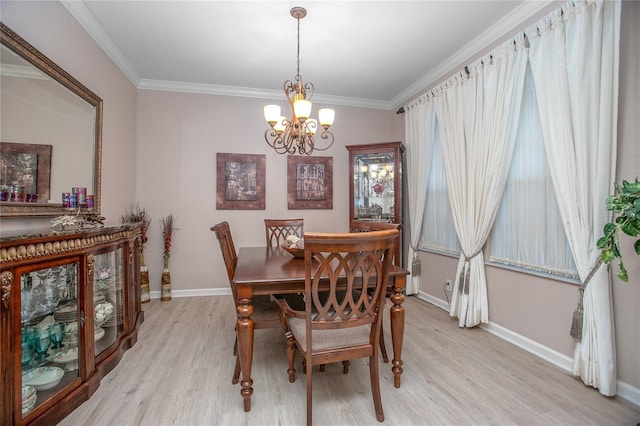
85	18
517	16
250	92
500	29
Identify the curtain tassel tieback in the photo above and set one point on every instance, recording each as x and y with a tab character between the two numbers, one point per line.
576	322
416	266
578	314
466	271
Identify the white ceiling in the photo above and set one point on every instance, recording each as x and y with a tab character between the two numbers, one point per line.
360	53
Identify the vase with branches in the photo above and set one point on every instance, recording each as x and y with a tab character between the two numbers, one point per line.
168	229
625	203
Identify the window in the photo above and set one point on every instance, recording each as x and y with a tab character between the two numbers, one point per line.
528	232
438	231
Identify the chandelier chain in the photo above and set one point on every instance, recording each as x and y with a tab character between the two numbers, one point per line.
298	78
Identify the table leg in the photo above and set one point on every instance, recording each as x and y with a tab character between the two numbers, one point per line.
245	349
397	328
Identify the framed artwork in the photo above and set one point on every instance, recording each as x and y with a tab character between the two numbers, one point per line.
240	181
309	182
27	166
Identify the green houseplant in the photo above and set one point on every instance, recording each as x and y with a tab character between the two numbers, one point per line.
625	203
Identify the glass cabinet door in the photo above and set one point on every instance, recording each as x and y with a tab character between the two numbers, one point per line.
376	191
49	332
374	187
108	298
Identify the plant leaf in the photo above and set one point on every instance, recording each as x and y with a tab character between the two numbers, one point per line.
636	246
622	273
609	230
602	243
607	255
630	229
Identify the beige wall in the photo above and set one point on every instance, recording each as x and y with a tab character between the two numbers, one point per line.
174	172
179	136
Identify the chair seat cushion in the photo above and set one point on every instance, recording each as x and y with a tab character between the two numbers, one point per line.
329	339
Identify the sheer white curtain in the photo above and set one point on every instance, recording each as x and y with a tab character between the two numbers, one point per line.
438	230
528	231
419	122
574	59
478	118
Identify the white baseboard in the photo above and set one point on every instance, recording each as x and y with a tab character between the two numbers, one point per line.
194	293
624	390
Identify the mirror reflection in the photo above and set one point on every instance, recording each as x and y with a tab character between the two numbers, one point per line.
50	135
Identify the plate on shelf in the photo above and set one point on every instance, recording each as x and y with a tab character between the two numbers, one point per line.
68	357
43	378
98	333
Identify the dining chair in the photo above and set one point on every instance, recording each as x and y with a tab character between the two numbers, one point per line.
277	230
266	314
340	322
368	226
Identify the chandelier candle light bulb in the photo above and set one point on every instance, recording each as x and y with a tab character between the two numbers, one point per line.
297	135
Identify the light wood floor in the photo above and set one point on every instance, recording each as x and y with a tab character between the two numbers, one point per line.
179	373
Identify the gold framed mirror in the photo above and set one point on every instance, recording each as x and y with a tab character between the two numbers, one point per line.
44	110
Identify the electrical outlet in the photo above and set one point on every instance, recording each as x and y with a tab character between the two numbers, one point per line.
448	285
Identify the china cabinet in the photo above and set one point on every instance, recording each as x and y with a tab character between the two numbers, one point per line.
375	193
70	308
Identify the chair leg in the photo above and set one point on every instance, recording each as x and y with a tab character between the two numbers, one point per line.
383	347
375	386
236	371
291	357
235	346
345	366
309	398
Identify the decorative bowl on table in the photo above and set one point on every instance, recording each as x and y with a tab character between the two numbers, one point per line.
294	245
43	378
295	251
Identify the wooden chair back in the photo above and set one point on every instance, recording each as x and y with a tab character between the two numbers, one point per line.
341	321
223	233
343	263
277	230
368	226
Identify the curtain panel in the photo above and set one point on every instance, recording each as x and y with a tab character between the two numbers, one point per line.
478	118
419	124
574	58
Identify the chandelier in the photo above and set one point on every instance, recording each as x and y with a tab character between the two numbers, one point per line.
286	136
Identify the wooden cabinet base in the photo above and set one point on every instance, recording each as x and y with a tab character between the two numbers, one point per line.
86	283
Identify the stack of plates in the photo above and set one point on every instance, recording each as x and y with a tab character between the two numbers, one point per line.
29	396
67	314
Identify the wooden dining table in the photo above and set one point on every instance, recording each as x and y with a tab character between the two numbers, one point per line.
272	270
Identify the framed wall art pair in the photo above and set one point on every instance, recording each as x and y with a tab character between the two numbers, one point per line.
241	182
